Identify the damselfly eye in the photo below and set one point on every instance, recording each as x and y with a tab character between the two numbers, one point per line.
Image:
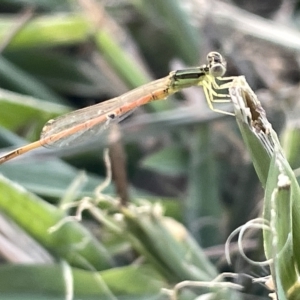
217	65
217	70
214	57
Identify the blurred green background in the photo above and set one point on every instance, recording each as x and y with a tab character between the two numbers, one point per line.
58	56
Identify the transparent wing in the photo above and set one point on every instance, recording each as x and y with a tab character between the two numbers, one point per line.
80	125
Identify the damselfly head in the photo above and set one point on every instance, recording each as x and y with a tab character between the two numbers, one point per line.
216	64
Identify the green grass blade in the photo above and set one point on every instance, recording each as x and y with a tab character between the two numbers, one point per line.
27	109
15	79
202	200
282	194
46	31
184	37
36	216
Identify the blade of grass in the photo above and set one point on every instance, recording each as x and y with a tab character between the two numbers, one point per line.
71	241
282	197
33	280
177	24
27	109
48	31
13	78
202	201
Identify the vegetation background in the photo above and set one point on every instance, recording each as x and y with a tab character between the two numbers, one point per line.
57	56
